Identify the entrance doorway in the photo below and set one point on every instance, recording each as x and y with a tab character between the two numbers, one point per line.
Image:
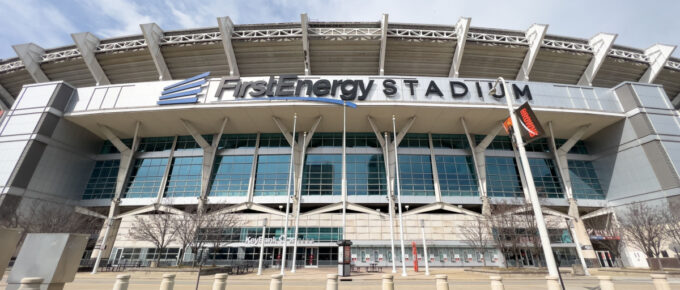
311	257
116	257
605	259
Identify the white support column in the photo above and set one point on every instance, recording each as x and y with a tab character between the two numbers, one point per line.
435	172
166	174
226	29
304	22
153	34
383	44
462	27
31	55
658	56
87	44
601	43
534	35
253	170
479	157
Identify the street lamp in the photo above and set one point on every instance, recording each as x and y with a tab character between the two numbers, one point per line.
533	196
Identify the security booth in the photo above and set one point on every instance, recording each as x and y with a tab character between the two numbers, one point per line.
344	257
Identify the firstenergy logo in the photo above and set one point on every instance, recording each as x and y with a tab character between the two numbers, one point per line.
184	92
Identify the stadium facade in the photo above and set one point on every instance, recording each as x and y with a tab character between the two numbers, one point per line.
163	121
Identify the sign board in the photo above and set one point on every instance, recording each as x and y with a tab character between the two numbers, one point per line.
531	128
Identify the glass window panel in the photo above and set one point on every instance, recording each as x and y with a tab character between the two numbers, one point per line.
102	182
451	141
322	175
155	144
272	175
231	175
146	177
502	177
273	140
457	176
546	178
584	181
415	140
233	141
185	177
415	174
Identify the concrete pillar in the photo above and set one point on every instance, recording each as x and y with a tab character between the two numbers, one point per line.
31	283
220	282
9	238
606	283
122	282
497	283
276	282
553	283
332	282
442	282
582	235
659	280
387	282
168	282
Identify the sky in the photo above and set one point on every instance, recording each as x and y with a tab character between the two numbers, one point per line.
49	24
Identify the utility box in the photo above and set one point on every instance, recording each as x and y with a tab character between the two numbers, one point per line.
344	258
9	238
53	257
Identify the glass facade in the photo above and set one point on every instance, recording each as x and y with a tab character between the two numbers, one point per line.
188	142
146	177
322	175
502	177
457	176
185	177
273	140
415	174
233	141
450	141
272	175
335	140
108	148
415	140
155	144
102	183
584	181
231	175
540	145
366	175
546	178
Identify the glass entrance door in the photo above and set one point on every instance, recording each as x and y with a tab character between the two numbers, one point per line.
116	257
311	257
605	258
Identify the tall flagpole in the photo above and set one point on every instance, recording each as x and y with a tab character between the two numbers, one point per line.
299	200
344	169
390	207
290	176
398	189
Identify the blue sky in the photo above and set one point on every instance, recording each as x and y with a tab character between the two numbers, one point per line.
49	24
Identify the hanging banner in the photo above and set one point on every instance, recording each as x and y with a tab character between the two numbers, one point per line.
530	126
415	257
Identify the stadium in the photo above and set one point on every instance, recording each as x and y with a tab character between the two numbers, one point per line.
341	130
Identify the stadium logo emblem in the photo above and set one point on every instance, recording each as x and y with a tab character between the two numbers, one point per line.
184	92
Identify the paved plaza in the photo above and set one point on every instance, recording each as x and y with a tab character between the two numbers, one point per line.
315	279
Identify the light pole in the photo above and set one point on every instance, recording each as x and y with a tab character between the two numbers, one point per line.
299	201
533	196
264	230
390	207
290	180
398	189
427	263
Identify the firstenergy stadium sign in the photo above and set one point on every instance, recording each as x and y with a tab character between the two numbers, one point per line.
359	89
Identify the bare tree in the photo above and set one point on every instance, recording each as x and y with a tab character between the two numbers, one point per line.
503	227
42	217
477	234
155	228
217	223
644	228
672	221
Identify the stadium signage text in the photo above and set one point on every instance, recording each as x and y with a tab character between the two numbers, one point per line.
276	241
354	89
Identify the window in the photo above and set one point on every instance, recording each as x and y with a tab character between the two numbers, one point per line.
579	147
146	177
273	140
322	175
415	173
165	254
335	140
415	140
108	148
131	254
584	181
185	177
102	183
545	178
502	177
188	142
233	141
231	175
362	140
155	144
498	143
272	175
457	176
326	140
366	175
451	141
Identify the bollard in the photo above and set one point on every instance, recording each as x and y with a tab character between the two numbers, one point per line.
332	282
168	282
276	283
442	282
122	282
606	283
659	280
497	283
220	282
31	283
387	282
553	283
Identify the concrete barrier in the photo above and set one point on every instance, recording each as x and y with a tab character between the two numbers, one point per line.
31	283
553	283
220	282
442	282
332	282
276	282
606	283
660	282
168	282
122	282
497	283
387	282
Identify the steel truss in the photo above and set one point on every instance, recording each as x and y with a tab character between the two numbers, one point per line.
634	56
